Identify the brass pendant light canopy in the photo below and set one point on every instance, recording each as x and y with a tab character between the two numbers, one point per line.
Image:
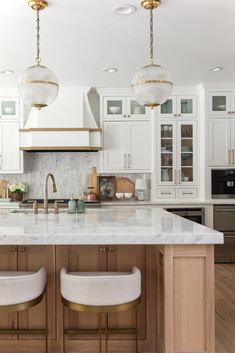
150	4
38	5
38	85
152	84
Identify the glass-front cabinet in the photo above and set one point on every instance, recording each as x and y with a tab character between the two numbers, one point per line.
221	104
9	108
115	108
176	143
178	106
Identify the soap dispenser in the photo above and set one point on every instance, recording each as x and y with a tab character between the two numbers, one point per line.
80	205
72	205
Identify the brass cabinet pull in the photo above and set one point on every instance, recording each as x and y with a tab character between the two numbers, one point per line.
129	160
21	249
112	249
12	249
102	249
179	173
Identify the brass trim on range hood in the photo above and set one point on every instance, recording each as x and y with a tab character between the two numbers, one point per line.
61	129
60	148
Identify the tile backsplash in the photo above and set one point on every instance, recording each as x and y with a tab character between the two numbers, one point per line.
70	170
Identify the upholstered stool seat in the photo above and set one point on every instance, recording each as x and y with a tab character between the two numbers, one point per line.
101	292
20	287
20	291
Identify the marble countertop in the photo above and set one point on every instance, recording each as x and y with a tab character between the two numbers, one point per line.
107	225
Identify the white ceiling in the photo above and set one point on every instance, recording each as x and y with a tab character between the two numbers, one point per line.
79	38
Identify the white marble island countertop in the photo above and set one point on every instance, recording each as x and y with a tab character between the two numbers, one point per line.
127	225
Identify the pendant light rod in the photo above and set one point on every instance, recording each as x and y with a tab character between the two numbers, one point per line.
151	38
38	59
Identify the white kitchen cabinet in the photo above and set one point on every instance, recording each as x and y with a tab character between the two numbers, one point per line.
178	107
123	108
221	142
9	108
176	158
221	104
10	155
126	146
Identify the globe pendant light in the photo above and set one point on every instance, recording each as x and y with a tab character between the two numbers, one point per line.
152	84
38	85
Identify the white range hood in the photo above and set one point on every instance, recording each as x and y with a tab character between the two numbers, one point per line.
70	123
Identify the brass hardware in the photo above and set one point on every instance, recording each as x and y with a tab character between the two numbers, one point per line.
175	114
12	249
125	161
102	249
124	116
21	306
60	148
40	81
229	156
38	5
151	81
54	189
233	156
100	308
112	249
150	4
49	129
21	249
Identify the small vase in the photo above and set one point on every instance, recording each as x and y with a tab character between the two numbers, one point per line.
17	196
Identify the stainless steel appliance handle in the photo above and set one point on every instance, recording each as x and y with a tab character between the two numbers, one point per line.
225	210
179	173
229	156
175	172
125	165
233	157
129	160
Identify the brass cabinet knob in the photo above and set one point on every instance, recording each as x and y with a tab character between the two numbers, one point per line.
102	249
12	249
21	249
112	249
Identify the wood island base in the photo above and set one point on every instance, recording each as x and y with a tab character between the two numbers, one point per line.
176	314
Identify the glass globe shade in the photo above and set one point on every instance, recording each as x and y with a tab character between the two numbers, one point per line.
152	85
38	86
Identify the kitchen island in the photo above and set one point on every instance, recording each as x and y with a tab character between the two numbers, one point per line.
175	256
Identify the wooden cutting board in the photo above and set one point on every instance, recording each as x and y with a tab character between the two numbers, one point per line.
93	181
125	185
3	186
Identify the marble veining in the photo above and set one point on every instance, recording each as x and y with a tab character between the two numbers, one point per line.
114	225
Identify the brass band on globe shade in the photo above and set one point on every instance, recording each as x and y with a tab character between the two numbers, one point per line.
38	86
152	85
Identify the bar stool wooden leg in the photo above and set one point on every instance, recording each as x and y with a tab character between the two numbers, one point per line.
136	331
106	332
100	333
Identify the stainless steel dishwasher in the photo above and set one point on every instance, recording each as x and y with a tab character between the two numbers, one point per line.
224	221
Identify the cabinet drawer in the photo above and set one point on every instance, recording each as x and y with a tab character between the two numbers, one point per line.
166	193
187	193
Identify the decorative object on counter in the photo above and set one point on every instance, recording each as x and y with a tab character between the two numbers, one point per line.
80	206
35	207
90	196
106	187
38	85
152	84
140	186
93	181
72	205
56	207
4	188
17	191
123	195
125	185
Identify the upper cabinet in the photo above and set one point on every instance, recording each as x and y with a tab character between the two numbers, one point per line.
9	108
116	108
178	107
10	156
221	104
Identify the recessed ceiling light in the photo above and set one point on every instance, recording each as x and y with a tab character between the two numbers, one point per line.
216	69
125	10
111	70
7	72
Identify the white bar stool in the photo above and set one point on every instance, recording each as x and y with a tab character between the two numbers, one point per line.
101	292
20	290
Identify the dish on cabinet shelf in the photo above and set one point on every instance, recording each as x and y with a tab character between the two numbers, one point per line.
114	110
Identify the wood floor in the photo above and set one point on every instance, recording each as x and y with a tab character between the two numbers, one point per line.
225	308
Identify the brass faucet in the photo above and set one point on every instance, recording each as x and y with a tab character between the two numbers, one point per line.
54	189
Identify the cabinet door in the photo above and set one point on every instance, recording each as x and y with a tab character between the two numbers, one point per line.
166	161
135	110
8	262
219	142
31	258
232	142
138	146
219	103
10	155
114	108
114	147
9	108
168	109
187	153
186	106
121	259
